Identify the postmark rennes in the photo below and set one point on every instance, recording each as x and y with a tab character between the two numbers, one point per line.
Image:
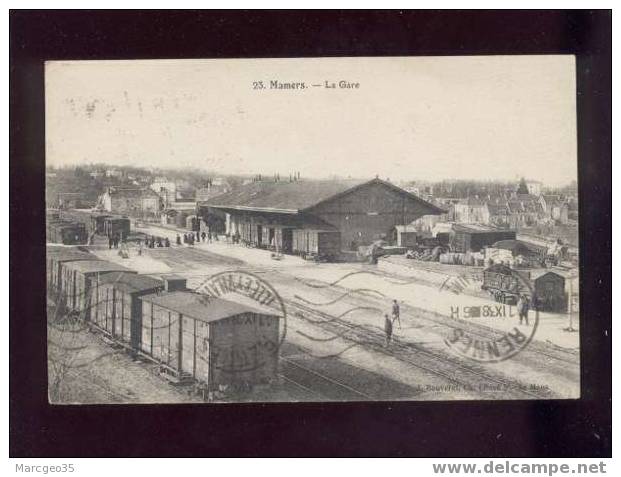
474	336
235	354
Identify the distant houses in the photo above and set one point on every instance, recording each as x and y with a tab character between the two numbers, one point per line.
134	202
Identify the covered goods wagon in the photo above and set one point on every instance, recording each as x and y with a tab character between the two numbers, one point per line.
115	305
55	257
316	242
116	226
211	340
550	292
76	281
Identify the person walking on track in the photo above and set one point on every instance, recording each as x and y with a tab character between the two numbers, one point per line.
396	312
388	329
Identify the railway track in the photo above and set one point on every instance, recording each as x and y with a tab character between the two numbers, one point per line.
318	384
468	377
476	329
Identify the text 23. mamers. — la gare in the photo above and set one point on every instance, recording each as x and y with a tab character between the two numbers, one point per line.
302	85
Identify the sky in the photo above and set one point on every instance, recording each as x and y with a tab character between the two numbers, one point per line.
426	118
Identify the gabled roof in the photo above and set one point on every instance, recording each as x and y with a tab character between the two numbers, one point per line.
296	196
281	196
130	282
97	266
206	308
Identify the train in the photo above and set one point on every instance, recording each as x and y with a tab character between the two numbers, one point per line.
210	343
545	291
66	232
96	222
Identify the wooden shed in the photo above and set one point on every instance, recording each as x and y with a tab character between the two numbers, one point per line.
115	305
76	281
211	340
474	237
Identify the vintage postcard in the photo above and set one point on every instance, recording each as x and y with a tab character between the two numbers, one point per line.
317	229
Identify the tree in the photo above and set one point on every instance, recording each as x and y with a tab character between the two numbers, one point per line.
522	188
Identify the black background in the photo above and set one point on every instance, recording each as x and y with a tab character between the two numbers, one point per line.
544	428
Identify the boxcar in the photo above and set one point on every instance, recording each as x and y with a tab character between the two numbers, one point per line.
115	305
116	226
76	280
210	340
316	242
550	292
505	284
55	257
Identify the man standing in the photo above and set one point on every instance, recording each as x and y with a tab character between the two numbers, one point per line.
523	306
387	329
396	312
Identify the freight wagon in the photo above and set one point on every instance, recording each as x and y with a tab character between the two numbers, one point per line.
505	284
550	292
76	280
546	292
324	244
92	220
210	340
99	223
116	226
55	257
68	233
115	305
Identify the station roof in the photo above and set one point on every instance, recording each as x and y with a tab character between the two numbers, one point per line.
130	282
206	308
296	196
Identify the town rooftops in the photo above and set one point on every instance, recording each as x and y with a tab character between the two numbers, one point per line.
131	282
97	266
135	193
294	196
206	308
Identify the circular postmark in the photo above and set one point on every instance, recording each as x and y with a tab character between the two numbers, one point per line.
491	331
251	337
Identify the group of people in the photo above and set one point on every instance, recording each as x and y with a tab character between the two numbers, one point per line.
153	242
113	241
193	237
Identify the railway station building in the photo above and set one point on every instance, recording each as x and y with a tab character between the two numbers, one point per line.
322	217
